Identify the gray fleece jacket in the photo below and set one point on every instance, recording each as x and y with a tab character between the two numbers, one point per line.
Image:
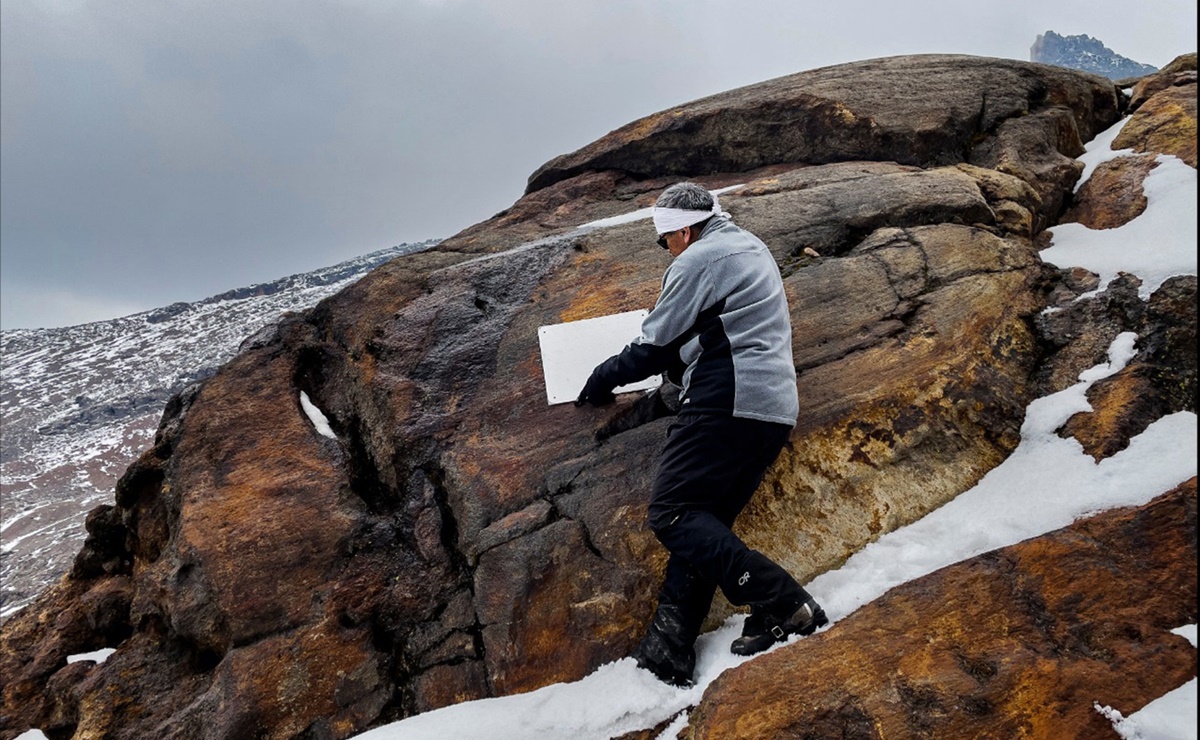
721	329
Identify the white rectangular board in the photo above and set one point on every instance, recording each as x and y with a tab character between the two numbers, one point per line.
570	351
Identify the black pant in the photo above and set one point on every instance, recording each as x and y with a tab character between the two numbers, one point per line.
710	467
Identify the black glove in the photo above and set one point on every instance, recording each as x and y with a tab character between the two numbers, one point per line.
596	391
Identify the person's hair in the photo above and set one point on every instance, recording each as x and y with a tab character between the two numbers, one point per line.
686	196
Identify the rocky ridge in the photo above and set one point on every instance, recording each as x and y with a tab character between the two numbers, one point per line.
1086	54
460	539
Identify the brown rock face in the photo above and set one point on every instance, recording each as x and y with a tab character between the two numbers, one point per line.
1002	645
843	113
1166	123
460	538
1160	380
1181	70
1113	195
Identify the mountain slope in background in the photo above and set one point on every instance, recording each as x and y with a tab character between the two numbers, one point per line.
1087	54
80	403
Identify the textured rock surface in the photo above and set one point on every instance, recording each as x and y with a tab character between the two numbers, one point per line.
1161	379
1002	645
1181	70
461	539
1166	123
847	112
1113	196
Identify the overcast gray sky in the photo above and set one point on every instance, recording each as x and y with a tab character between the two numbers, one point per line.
154	151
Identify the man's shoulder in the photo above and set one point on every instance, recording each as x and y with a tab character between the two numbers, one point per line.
727	240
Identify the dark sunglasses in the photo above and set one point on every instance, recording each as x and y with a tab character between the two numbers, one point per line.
662	240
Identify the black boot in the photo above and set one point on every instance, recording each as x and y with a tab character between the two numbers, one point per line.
762	629
666	651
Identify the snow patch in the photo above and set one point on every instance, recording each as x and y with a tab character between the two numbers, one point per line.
672	730
617	698
1016	501
318	419
1099	150
1169	717
1158	244
97	655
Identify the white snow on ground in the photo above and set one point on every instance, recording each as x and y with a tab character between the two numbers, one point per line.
1099	150
319	421
1156	245
1159	243
1169	717
1046	483
1017	500
98	655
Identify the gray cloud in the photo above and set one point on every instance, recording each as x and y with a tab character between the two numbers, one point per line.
160	151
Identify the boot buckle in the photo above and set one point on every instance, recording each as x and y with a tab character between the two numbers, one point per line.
778	632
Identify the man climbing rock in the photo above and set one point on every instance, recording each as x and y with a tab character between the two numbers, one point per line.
721	330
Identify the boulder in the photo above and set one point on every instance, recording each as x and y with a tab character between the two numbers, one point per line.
1165	123
1002	645
1181	70
842	113
1113	195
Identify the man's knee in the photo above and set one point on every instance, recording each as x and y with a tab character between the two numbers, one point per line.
661	520
695	535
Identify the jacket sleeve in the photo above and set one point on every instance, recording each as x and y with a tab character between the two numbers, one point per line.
687	290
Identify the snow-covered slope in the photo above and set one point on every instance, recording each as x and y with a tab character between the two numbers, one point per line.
78	404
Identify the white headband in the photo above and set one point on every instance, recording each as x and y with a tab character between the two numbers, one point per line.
667	220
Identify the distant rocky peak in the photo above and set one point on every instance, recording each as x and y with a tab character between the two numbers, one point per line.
1087	54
